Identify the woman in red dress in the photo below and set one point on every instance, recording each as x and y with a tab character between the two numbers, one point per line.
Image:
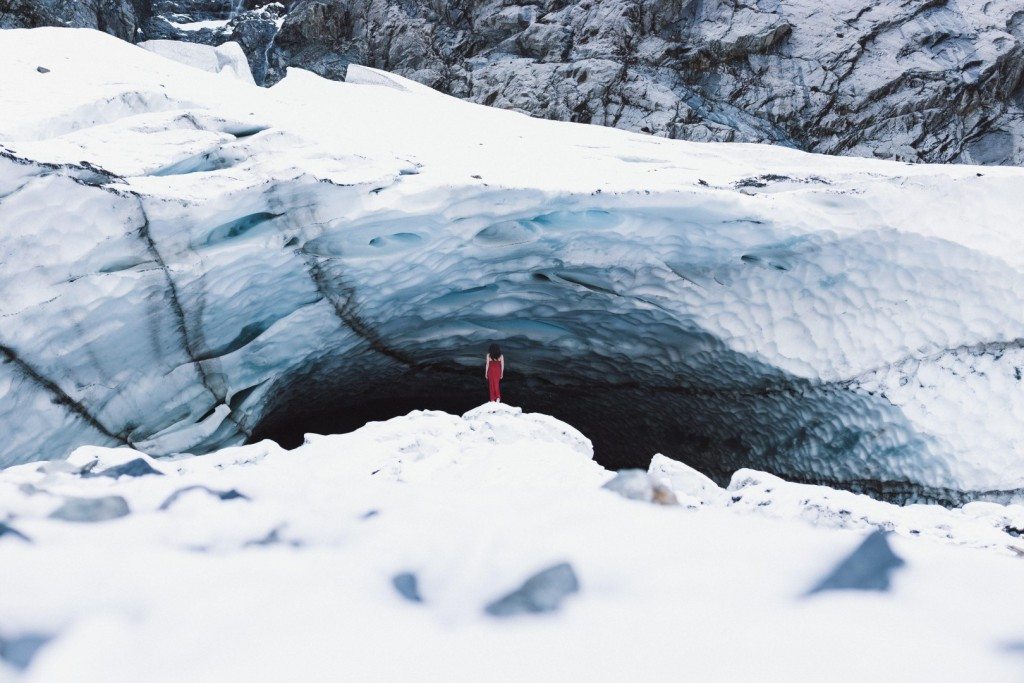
494	370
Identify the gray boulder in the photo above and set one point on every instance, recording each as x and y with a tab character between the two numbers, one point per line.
91	509
10	532
407	586
133	468
542	592
228	494
20	650
868	568
636	484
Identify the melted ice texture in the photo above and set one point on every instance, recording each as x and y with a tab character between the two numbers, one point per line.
290	578
175	242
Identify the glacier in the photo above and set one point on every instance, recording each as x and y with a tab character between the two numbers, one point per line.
190	262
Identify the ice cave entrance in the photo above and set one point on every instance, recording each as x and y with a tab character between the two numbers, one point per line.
727	413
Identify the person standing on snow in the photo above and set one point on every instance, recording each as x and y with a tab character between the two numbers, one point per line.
494	370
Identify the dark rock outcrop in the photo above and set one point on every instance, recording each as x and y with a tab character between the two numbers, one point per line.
122	18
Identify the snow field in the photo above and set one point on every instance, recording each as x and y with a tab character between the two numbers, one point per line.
294	579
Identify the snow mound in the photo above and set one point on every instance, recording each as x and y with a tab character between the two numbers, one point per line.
466	544
227	58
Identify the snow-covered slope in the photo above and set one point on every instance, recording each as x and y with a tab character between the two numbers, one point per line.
374	555
914	80
186	260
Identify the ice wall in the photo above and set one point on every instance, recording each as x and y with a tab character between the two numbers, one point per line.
190	262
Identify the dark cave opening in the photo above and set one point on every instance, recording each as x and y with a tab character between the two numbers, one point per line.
794	428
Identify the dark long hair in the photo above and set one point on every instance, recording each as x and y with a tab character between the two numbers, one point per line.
494	352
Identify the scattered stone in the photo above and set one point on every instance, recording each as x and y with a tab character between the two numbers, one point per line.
407	585
91	509
638	485
542	592
42	70
230	494
12	532
64	467
867	568
19	651
683	480
272	538
133	468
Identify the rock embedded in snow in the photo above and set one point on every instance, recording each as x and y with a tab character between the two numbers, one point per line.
684	481
91	509
868	568
230	494
542	592
18	651
407	586
638	485
11	532
133	468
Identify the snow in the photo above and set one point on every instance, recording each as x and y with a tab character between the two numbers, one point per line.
207	24
846	319
226	58
293	579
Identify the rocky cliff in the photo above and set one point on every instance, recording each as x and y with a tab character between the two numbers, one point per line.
913	80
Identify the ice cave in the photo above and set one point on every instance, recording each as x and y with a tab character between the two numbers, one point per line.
216	278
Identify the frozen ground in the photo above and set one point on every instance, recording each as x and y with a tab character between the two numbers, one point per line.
190	262
290	575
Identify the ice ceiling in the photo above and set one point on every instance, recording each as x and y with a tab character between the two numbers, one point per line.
180	275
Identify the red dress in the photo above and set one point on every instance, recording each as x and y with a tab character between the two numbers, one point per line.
494	378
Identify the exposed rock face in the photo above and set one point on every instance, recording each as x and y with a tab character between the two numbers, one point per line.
122	18
918	80
913	80
214	22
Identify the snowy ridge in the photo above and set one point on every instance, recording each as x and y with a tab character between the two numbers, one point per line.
178	554
224	254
